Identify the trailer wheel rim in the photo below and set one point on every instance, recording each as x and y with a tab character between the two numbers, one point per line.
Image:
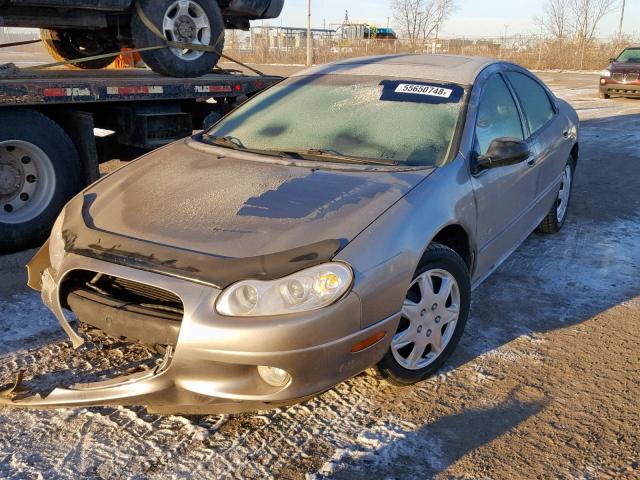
186	21
27	181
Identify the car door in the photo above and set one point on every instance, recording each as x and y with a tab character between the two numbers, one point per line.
548	131
504	195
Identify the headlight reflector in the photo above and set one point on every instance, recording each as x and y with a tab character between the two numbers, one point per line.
605	73
56	243
308	289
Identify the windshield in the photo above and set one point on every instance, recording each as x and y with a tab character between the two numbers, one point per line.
630	55
396	122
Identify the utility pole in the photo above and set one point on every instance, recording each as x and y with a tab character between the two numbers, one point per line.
621	20
309	40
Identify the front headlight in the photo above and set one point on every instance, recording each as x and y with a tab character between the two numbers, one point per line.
605	73
308	289
56	243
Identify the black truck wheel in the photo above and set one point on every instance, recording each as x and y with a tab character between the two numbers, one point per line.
189	21
39	172
65	45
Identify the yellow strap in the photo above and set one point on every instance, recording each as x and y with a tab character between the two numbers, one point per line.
17	44
85	59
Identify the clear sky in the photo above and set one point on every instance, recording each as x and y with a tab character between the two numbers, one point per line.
472	18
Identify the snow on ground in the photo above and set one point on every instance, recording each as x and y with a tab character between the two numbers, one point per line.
24	316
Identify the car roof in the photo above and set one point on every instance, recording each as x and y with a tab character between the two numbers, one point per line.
443	68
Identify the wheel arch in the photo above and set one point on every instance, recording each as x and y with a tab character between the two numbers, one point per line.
456	237
575	150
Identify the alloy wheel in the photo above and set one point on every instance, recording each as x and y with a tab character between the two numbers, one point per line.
429	315
564	193
186	21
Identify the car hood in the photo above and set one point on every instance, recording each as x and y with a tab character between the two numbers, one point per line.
200	198
624	67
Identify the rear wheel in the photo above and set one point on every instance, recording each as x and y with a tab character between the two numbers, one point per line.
39	172
434	315
65	45
188	21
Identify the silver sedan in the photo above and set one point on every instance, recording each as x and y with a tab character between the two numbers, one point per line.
335	222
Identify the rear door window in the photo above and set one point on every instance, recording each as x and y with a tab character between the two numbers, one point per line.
497	114
537	107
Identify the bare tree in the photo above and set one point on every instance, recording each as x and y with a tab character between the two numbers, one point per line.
580	18
440	11
556	19
577	19
419	19
587	14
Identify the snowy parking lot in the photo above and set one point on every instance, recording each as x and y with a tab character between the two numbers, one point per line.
546	382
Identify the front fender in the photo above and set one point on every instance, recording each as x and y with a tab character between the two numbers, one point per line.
384	257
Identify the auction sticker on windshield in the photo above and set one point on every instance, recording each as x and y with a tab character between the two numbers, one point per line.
424	90
420	92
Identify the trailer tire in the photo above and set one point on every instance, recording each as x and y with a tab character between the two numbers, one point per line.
39	172
180	21
65	45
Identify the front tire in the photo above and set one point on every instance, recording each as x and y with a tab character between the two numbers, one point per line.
434	315
556	217
39	172
187	21
65	45
604	96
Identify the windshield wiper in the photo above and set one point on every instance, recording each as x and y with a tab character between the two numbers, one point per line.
225	142
229	142
315	153
324	154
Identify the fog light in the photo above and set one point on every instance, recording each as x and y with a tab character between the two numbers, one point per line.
275	377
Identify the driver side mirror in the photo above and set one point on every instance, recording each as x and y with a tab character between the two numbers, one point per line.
503	151
612	60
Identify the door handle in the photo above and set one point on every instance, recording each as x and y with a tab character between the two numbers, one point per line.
531	162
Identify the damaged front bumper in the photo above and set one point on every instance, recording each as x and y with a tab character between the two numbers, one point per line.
213	367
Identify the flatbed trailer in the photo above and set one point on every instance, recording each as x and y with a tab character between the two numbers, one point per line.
57	126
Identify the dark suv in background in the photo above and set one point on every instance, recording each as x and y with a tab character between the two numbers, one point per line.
622	76
73	29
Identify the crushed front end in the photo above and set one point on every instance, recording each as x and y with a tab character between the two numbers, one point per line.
212	363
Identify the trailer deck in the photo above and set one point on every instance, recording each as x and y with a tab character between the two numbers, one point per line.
81	86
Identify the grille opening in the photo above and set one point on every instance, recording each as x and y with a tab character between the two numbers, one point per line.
123	309
121	289
625	77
